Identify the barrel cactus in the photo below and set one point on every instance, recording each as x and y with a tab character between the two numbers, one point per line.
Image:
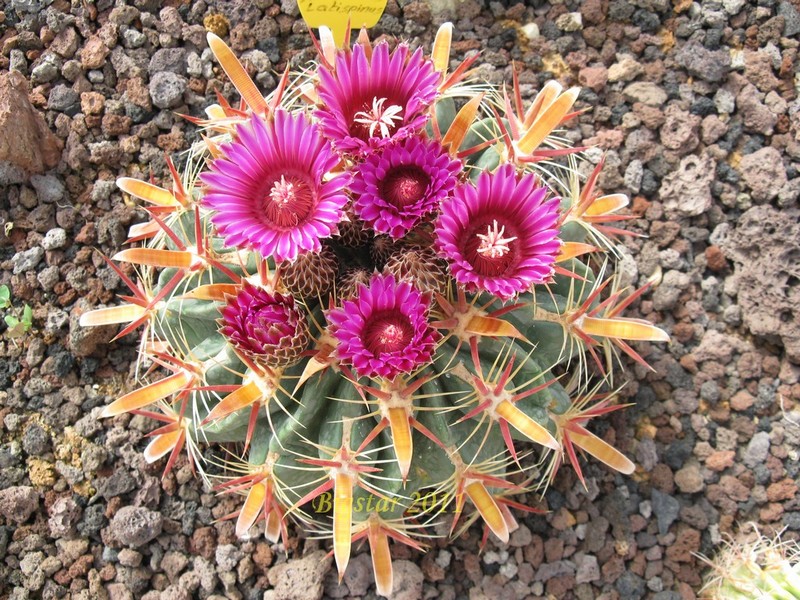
388	290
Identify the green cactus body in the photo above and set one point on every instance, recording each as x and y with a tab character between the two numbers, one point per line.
349	443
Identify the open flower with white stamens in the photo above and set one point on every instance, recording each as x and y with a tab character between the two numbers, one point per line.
366	100
500	235
272	189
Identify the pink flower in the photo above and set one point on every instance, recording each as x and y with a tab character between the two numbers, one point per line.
384	330
396	187
365	102
270	190
500	235
268	327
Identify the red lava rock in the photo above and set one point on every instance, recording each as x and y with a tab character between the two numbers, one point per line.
94	52
534	552
92	103
262	557
683	332
686	542
204	543
557	587
782	490
662	478
554	549
771	512
720	460
742	400
593	77
81	566
612	569
430	568
715	259
114	125
25	140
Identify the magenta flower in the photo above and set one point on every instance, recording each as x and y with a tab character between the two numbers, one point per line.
364	102
395	188
270	191
266	326
499	236
384	330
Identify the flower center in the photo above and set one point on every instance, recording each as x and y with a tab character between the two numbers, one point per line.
387	332
493	244
405	185
378	119
288	202
489	250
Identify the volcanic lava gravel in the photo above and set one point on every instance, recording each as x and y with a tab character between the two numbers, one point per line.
694	105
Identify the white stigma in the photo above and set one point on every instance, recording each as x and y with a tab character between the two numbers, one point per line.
391	334
380	117
282	192
493	244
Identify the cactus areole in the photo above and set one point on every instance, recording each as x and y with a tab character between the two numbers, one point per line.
388	290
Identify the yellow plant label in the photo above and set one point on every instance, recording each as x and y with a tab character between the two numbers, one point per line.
336	14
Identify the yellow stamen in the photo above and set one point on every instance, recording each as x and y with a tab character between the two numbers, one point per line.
342	520
401	438
156	257
605	205
273	529
149	394
113	315
525	425
147	192
251	508
602	451
162	445
441	48
487	507
547	121
460	126
237	74
623	329
381	559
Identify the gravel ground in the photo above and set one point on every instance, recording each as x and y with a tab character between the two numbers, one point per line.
695	105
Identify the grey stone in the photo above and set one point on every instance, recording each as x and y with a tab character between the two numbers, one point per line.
630	585
764	173
54	239
587	569
64	99
709	65
757	449
134	526
166	89
687	190
172	60
64	515
645	92
547	571
27	260
791	18
18	503
408	579
666	509
49	188
35	440
301	579
45	71
228	556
